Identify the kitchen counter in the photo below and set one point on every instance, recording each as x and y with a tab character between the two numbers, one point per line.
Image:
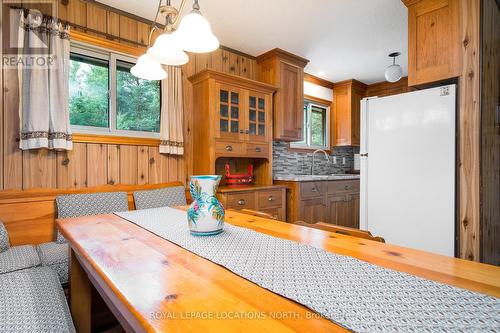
310	178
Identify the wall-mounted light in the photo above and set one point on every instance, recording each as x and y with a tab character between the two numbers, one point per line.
394	72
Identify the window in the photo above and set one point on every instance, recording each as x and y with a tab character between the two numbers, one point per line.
88	91
316	127
104	98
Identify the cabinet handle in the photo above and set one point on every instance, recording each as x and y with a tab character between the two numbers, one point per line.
241	202
258	149
229	148
241	131
347	187
314	189
271	198
246	132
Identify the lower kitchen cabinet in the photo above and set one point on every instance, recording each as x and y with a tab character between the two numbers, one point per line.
312	210
353	200
268	199
330	201
338	210
344	210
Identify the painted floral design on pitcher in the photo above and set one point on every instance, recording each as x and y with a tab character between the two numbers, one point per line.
206	214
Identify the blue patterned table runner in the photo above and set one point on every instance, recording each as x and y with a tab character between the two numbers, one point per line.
354	294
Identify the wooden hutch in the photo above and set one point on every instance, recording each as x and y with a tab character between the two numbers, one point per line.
233	125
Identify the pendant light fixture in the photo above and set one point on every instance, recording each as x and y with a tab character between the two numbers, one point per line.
148	69
166	50
195	36
394	72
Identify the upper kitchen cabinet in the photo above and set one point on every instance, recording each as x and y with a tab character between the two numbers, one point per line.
347	97
286	71
433	40
232	118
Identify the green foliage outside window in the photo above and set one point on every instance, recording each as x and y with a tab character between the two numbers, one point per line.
318	126
137	100
88	92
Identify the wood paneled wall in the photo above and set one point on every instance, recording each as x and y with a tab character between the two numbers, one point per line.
490	133
469	129
91	164
385	88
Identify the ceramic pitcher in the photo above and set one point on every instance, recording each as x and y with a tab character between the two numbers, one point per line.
206	214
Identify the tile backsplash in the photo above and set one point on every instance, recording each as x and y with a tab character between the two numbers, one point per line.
287	162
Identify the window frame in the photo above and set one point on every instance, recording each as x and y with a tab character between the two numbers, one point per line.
308	128
111	56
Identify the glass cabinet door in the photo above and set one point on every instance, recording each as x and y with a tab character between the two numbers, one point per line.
258	116
229	112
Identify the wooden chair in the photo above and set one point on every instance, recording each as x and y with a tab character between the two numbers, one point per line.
338	229
257	214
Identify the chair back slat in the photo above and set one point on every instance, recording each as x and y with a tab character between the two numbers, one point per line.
258	214
338	229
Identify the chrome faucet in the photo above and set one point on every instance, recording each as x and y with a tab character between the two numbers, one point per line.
314	153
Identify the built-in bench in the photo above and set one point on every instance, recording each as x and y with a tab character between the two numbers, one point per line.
31	296
30	215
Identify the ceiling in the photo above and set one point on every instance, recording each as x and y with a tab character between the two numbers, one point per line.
343	38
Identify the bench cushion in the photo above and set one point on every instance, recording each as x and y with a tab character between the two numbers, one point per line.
18	258
4	238
164	197
56	256
76	205
32	300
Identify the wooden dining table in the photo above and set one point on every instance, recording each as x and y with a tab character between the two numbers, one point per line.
153	285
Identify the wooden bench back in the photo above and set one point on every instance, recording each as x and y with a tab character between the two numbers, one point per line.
29	216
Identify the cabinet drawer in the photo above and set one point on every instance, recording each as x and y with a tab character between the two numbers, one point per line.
312	189
229	147
255	149
241	200
343	186
269	199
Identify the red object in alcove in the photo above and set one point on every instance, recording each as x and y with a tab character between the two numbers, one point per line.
239	178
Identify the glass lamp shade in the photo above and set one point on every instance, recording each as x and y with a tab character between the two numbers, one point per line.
393	73
195	35
148	69
166	50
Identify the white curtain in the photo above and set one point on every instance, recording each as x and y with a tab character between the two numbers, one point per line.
43	83
171	127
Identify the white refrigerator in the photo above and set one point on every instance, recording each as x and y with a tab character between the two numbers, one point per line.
408	169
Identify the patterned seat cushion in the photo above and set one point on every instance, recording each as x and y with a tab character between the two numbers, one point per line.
4	238
56	256
32	300
17	258
76	205
164	197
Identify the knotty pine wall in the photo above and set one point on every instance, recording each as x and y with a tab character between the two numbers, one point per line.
90	164
490	133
